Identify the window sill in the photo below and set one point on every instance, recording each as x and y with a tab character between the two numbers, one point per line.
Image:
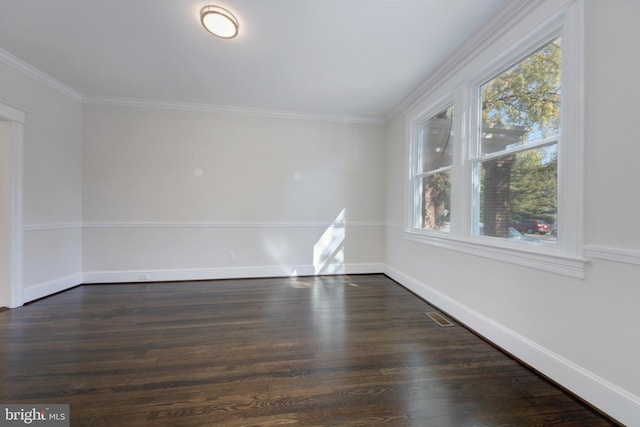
545	258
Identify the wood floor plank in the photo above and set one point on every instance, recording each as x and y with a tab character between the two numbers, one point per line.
314	351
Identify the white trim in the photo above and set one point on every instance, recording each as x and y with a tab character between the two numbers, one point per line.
52	226
17	119
159	275
225	109
542	143
571	155
627	256
11	113
620	404
222	224
502	250
17	165
613	254
50	287
395	226
34	73
214	224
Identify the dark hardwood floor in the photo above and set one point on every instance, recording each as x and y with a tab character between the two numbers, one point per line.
325	351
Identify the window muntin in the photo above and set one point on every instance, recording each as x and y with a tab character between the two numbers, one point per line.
517	162
432	177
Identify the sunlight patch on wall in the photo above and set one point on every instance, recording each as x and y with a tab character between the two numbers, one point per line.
328	251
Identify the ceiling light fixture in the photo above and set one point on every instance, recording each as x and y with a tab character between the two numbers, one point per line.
219	22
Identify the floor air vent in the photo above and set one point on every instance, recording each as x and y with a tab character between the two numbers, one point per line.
439	319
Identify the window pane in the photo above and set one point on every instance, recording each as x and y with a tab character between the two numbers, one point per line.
435	198
435	142
522	104
518	190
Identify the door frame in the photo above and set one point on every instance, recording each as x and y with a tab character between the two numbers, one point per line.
17	118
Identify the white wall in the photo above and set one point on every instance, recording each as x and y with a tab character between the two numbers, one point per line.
52	205
612	118
582	333
270	188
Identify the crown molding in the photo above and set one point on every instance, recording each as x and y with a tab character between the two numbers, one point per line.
40	76
510	13
223	109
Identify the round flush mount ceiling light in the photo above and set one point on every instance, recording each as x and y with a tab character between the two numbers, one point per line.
219	22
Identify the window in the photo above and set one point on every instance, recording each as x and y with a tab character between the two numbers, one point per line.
432	172
495	153
516	159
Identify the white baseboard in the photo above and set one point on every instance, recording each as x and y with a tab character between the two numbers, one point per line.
40	290
609	398
159	275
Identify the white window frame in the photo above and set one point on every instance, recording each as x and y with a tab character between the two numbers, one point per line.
416	122
564	18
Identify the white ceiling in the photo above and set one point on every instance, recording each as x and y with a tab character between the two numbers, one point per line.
346	58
